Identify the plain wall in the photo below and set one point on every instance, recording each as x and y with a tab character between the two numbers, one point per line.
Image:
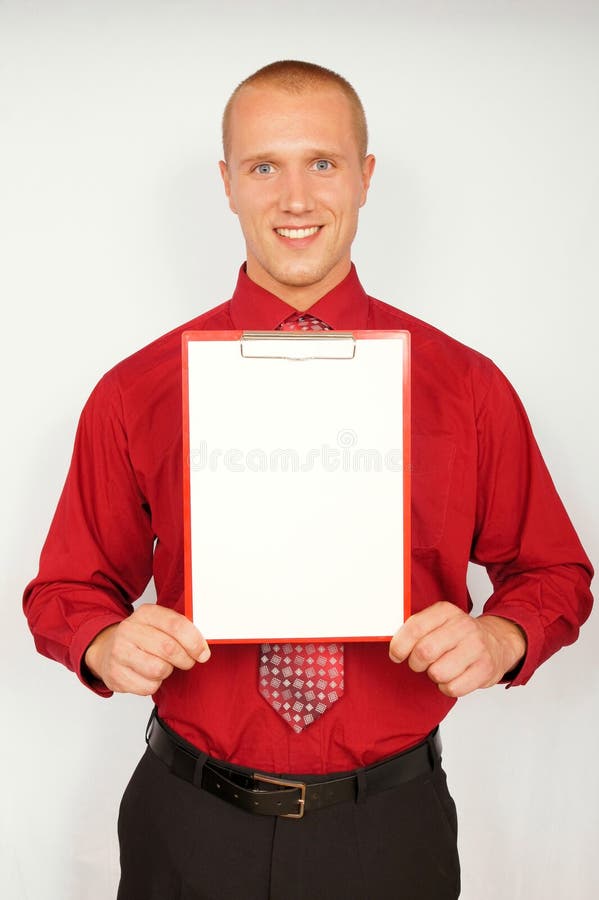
482	220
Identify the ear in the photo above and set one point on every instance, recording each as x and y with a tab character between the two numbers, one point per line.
367	172
224	173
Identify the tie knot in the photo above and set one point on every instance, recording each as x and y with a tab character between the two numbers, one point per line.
299	321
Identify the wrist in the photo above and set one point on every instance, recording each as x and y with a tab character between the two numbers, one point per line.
93	654
512	640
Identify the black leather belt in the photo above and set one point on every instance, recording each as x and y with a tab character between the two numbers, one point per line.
291	797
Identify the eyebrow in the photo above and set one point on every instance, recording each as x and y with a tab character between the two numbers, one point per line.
313	153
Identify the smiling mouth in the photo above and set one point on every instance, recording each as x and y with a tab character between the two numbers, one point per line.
298	233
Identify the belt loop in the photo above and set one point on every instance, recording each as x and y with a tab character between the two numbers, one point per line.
150	724
361	786
199	769
434	747
183	763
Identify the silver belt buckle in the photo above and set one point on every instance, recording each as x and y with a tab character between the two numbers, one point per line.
267	779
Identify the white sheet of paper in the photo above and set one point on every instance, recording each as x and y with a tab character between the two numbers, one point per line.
296	490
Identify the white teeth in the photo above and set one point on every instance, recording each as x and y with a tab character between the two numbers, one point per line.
296	233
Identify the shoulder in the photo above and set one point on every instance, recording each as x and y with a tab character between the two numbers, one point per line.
167	348
154	370
432	349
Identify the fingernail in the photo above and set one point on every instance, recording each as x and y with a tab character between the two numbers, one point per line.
394	658
204	655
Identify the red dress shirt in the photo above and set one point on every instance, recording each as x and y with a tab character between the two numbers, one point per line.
480	492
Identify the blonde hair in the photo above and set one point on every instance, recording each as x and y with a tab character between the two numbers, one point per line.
295	77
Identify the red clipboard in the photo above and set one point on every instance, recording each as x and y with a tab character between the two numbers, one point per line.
230	381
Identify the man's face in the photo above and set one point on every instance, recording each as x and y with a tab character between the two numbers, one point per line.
296	180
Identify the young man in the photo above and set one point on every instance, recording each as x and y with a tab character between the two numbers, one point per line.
367	813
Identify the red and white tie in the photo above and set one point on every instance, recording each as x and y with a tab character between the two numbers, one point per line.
301	681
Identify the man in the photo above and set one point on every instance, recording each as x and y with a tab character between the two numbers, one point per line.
208	812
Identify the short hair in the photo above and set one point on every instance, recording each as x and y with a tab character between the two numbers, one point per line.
295	77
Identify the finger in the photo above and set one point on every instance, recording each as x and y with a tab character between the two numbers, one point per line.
125	680
421	623
475	676
456	637
456	662
146	665
176	626
159	644
128	653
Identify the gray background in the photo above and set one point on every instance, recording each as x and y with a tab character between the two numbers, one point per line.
482	219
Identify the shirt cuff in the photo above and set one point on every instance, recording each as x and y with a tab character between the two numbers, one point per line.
82	638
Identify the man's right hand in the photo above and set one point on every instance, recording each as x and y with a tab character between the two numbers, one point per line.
136	655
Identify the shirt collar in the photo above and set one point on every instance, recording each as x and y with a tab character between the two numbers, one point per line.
344	308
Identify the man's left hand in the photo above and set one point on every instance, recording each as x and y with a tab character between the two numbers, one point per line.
460	653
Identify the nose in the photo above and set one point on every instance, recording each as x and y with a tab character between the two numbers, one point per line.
296	194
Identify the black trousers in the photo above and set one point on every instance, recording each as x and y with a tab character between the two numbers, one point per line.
179	842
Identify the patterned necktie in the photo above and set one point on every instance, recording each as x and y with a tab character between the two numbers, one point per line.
301	681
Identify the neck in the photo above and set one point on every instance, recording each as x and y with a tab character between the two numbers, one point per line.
300	297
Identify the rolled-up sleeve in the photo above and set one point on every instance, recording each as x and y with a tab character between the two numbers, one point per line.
97	557
540	573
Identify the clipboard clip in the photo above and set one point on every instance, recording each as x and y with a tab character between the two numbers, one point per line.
297	345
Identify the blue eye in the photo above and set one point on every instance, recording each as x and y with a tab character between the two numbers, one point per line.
323	165
264	168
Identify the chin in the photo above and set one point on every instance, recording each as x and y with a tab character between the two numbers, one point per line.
301	277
